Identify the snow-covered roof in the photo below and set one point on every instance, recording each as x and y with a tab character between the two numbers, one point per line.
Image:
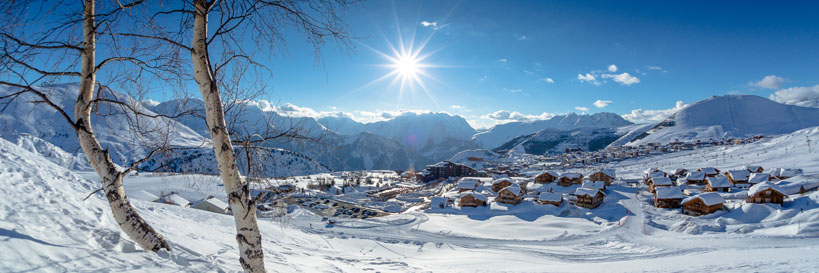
709	198
764	186
758	178
552	173
657	174
790	172
550	196
438	202
652	170
695	176
514	189
668	193
474	195
752	167
709	170
739	174
467	185
571	175
142	195
216	203
476	179
718	181
593	185
661	181
176	200
610	172
586	191
501	180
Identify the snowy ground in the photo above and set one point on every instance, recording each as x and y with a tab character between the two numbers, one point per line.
46	227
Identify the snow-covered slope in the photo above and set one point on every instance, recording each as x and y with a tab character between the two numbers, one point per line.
500	134
550	140
111	124
730	116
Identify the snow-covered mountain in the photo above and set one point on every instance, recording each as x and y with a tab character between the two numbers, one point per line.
503	133
725	117
551	140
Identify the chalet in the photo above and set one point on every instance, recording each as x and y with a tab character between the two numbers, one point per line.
782	174
754	169
597	185
668	197
605	175
213	205
471	199
499	184
143	195
567	179
651	173
550	198
717	184
738	176
702	204
709	171
471	183
588	198
175	199
659	182
766	192
680	173
510	195
757	178
697	178
536	188
546	177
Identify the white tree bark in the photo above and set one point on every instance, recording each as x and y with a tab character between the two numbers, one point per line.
248	237
126	216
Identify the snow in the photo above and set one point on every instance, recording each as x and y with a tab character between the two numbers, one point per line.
695	176
759	178
709	198
502	133
473	194
718	181
514	189
571	175
598	185
739	174
550	196
175	199
142	195
661	181
587	192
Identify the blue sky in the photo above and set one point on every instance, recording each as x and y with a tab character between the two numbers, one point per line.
500	61
535	58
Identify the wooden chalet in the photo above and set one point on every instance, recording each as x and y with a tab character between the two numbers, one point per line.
695	178
588	198
717	184
702	204
668	197
659	182
680	172
550	198
766	192
471	199
597	185
499	184
510	195
567	179
471	183
737	176
605	175
709	171
651	173
546	177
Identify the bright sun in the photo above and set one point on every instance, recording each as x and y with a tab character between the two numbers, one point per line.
406	66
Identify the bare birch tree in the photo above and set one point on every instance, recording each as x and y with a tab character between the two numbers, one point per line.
71	42
218	32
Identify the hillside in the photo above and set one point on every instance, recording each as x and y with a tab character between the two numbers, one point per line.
729	116
503	133
555	141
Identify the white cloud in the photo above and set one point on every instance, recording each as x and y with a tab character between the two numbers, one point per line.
651	67
150	102
503	60
521	37
528	72
513	90
547	79
504	116
602	103
457	107
624	78
801	96
588	78
432	25
612	68
581	108
643	116
769	82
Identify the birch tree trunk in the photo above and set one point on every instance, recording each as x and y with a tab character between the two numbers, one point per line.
248	237
126	216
